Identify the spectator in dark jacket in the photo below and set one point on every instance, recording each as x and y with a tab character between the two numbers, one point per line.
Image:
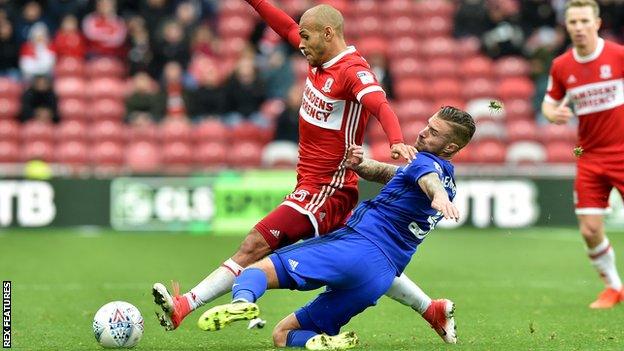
37	98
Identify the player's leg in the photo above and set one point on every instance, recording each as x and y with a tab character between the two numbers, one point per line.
280	226
592	189
438	313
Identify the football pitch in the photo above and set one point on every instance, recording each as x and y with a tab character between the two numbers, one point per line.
514	290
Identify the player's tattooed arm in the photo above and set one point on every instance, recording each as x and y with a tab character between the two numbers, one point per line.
370	170
432	186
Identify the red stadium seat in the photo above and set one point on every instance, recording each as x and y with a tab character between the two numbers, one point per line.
37	150
10	88
73	153
444	101
9	151
280	154
365	8
477	67
413	110
522	130
402	47
177	157
560	152
436	47
381	152
465	155
519	109
435	26
407	67
403	25
105	67
210	130
235	8
489	151
9	107
439	68
210	155
554	132
146	133
235	26
107	109
374	132
369	26
444	88
526	152
411	131
406	89
173	129
479	88
245	155
432	8
69	67
490	130
143	157
107	88
368	46
516	88
395	8
72	109
108	130
37	131
71	130
9	130
512	66
70	87
248	132
232	47
468	47
107	156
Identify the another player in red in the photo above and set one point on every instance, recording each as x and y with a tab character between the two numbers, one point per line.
591	77
340	94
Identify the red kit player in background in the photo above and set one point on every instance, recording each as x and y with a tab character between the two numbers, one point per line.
340	94
591	77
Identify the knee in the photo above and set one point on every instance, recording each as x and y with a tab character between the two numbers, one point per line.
589	229
253	248
279	336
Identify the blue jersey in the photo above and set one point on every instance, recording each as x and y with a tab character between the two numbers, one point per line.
398	219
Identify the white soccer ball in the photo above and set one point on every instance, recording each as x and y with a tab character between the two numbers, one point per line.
118	324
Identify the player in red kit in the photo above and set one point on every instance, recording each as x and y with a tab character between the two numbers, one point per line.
340	94
591	77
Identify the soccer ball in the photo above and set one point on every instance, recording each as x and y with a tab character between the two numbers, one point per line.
118	324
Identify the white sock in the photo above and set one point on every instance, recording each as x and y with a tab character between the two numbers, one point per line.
602	257
217	284
408	293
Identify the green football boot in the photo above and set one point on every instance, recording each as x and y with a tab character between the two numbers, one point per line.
344	341
219	316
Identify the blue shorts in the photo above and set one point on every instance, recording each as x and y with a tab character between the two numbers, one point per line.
353	268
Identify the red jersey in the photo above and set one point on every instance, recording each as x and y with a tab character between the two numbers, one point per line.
595	86
331	118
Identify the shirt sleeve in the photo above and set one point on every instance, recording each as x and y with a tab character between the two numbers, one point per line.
555	91
360	80
278	20
419	167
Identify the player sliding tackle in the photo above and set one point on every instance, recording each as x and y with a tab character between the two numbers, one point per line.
359	261
340	94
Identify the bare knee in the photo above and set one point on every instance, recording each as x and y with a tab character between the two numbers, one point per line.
281	330
252	249
592	229
279	337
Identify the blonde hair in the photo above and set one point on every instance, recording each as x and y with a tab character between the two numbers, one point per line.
583	3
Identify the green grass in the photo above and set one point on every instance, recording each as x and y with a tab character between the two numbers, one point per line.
514	290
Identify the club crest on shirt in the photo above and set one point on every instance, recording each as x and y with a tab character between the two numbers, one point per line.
605	72
328	83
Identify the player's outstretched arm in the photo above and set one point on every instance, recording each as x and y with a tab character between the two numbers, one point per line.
370	170
557	113
432	186
278	20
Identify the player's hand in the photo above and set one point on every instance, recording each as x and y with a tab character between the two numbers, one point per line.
355	156
447	208
408	152
562	113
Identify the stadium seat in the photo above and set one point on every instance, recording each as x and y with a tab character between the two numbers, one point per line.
407	67
439	68
107	109
395	8
403	25
368	46
177	157
108	130
9	130
519	109
479	88
380	151
369	26
365	8
74	154
374	132
146	133
245	154
107	156
142	157
477	67
413	110
107	88
9	151
72	109
280	154
444	88
480	109
235	8
522	129
435	26
9	107
71	130
560	152
512	66
235	26
69	67
468	47
411	131
37	150
37	131
232	47
490	130
436	47
210	155
555	132
210	130
489	151
248	131
411	88
526	152
174	129
70	87
432	8
403	47
516	88
10	88
465	155
105	67
447	101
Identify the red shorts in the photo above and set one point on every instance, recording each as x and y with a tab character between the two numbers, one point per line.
595	177
307	212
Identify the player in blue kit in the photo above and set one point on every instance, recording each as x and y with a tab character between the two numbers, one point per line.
358	262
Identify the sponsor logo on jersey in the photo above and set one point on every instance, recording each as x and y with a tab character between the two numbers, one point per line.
275	232
321	110
293	264
605	72
596	97
328	84
366	77
571	79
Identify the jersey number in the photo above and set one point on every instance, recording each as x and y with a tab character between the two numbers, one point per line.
419	233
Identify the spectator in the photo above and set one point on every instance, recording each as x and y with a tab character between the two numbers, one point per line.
141	119
203	42
288	121
244	91
505	36
59	9
379	65
209	97
31	15
68	41
174	95
140	55
36	55
171	46
8	50
276	73
154	12
105	31
144	96
187	15
471	19
39	101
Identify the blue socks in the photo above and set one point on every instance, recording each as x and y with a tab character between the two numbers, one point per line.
250	285
298	337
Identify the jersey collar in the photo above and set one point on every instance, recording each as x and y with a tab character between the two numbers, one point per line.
349	50
594	55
